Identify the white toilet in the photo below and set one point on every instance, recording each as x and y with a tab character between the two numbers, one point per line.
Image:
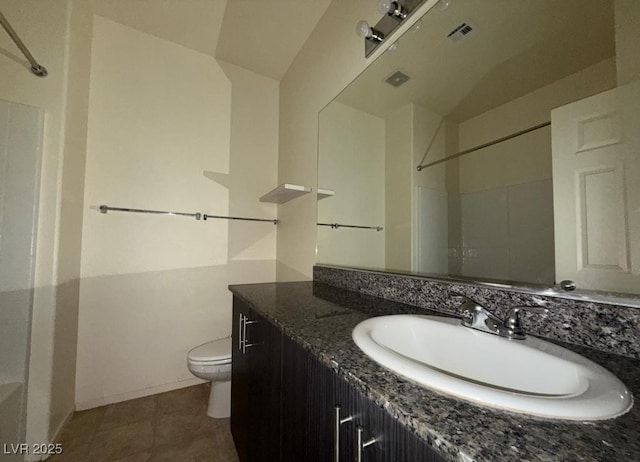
212	361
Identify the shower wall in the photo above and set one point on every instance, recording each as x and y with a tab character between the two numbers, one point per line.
505	196
57	33
20	140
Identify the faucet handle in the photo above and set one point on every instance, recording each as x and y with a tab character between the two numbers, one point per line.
476	316
468	307
513	323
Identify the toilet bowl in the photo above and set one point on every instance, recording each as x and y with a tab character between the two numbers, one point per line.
212	361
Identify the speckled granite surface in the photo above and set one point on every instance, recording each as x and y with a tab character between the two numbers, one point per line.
321	318
605	327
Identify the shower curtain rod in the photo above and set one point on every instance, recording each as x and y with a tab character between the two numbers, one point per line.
338	225
36	68
485	145
197	215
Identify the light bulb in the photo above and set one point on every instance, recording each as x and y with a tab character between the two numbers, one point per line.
443	4
363	29
393	8
384	6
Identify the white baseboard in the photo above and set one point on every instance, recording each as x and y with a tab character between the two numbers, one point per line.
90	404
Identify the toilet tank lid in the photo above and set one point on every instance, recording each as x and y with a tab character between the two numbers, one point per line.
211	351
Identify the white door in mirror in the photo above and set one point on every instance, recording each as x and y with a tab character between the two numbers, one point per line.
596	190
530	376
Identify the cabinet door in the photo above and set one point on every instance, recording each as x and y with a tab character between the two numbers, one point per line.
308	399
255	386
283	405
263	345
322	401
240	383
295	397
394	442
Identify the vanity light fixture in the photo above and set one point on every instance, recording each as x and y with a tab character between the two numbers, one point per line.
393	9
395	12
364	30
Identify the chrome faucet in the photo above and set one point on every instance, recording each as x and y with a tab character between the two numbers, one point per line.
475	316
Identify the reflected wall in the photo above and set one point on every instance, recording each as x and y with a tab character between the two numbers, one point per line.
491	214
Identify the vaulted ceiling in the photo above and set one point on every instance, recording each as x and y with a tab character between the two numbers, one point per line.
260	35
513	48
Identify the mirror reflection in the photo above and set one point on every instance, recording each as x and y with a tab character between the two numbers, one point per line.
497	140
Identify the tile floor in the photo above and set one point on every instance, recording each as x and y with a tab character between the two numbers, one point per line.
170	426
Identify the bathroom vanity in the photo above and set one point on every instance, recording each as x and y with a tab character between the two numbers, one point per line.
295	361
287	403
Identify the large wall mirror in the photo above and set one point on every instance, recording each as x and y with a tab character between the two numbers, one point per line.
497	141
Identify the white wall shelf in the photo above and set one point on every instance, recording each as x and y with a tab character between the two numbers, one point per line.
284	193
324	193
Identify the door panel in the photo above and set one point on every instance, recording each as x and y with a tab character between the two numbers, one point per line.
596	182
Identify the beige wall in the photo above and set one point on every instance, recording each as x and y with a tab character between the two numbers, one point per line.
72	198
428	133
371	163
429	193
351	163
55	32
330	59
399	188
627	36
169	129
416	202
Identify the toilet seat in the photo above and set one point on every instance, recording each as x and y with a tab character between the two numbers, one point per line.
217	352
211	361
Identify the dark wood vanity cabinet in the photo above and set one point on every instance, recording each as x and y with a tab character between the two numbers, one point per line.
284	405
315	400
308	397
255	385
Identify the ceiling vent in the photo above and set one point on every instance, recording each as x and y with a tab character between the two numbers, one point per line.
461	31
397	78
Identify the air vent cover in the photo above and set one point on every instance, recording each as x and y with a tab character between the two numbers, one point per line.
461	31
397	78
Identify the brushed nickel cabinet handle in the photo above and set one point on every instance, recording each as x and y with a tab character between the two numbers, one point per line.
240	331
337	421
245	343
360	445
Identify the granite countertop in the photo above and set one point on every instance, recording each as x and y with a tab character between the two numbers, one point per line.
321	318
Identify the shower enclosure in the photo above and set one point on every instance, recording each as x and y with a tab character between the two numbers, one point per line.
20	145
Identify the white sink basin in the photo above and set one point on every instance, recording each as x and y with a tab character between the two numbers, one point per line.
529	376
